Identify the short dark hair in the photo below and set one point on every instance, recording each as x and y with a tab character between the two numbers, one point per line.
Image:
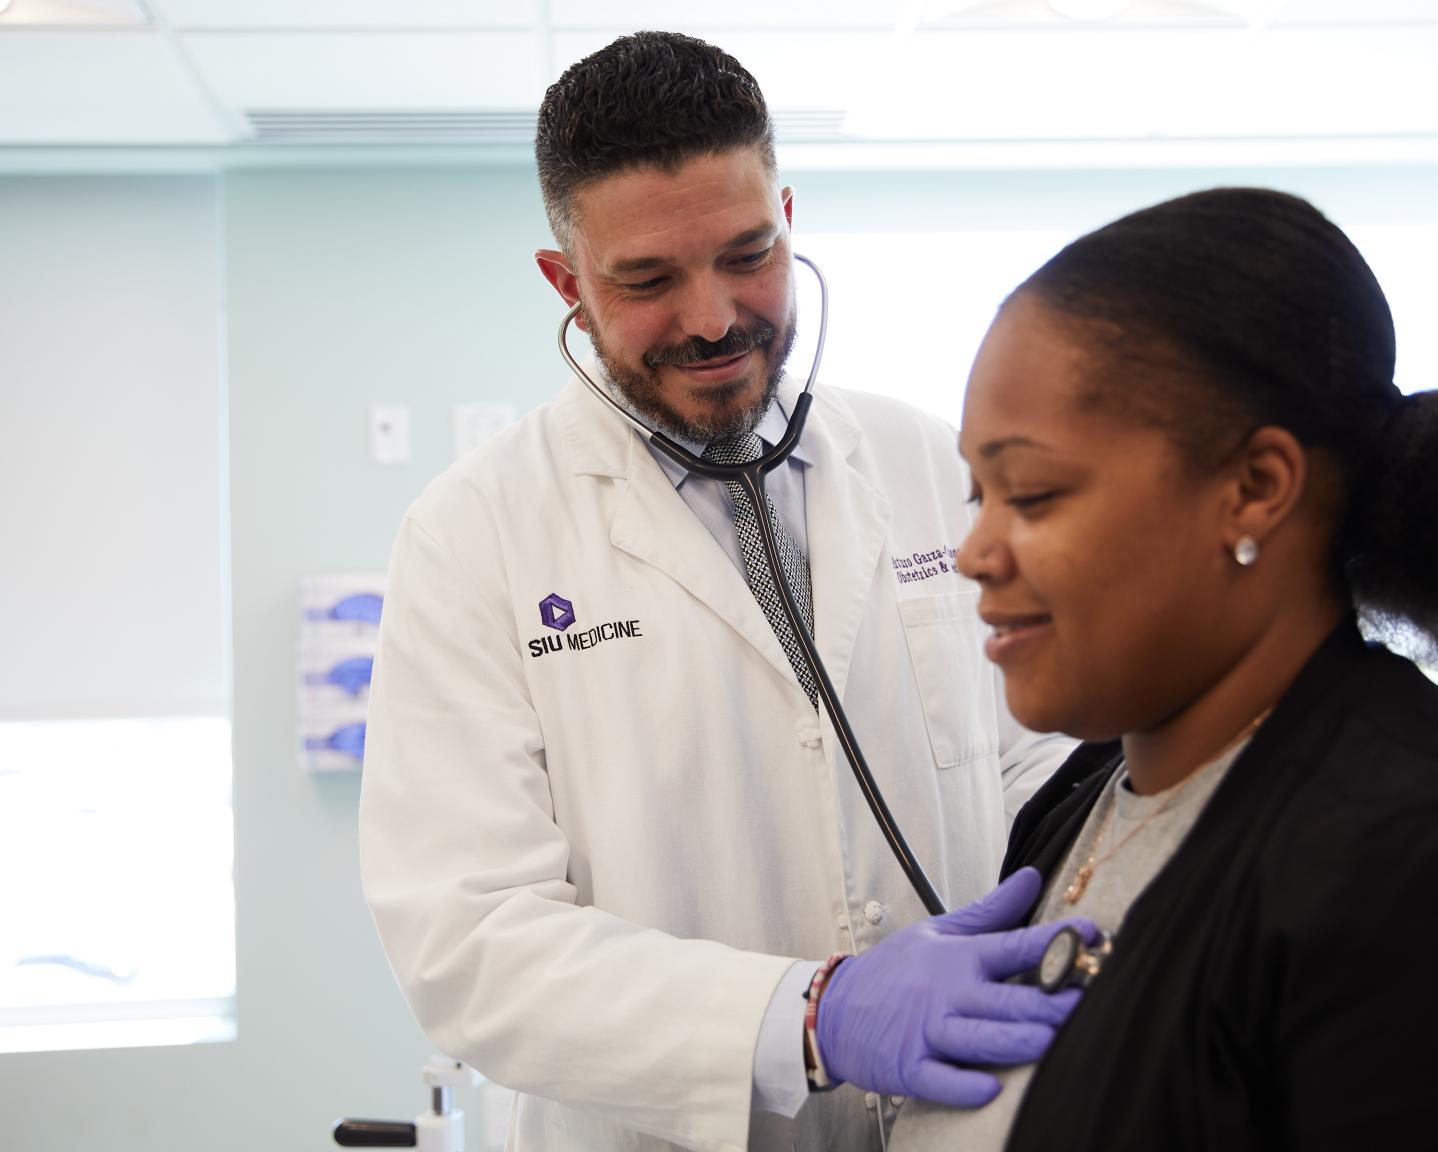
1260	311
653	99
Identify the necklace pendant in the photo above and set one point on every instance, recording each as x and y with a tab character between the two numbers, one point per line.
1074	892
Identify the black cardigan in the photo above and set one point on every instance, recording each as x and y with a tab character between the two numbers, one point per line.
1276	985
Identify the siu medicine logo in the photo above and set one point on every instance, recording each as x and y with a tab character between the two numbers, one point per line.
557	613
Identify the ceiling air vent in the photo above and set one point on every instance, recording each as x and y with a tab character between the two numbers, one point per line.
460	126
390	126
809	125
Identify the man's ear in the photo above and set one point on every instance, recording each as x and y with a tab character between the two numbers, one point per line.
787	196
1268	478
554	266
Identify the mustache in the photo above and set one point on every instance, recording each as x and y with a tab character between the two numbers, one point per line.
734	342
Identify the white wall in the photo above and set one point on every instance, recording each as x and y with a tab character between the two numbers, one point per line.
346	289
343	289
110	430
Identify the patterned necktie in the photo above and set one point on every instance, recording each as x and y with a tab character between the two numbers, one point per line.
740	449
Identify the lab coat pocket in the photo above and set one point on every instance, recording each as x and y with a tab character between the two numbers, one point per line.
954	682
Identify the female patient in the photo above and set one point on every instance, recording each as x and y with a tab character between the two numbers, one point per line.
1192	468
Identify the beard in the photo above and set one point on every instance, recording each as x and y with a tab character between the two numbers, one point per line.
730	414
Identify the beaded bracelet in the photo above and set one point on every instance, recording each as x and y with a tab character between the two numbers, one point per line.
813	1063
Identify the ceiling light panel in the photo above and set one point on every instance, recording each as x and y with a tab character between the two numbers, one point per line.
71	13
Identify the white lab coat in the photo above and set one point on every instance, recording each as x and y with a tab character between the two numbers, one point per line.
591	866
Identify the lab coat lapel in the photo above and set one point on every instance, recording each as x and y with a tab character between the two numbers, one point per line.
848	524
653	524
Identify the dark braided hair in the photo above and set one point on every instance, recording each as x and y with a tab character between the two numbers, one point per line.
656	99
1260	311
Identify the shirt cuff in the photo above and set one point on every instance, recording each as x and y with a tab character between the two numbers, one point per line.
780	1083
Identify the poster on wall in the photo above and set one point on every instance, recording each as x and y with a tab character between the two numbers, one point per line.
338	628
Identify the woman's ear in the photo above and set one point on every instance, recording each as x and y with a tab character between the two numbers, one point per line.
1268	477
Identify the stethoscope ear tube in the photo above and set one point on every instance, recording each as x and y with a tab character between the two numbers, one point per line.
751	477
753	483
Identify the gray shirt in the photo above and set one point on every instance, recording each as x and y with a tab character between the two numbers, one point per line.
1142	833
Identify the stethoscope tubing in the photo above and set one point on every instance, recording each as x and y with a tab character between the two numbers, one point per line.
750	477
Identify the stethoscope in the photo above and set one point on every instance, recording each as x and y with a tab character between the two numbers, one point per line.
750	477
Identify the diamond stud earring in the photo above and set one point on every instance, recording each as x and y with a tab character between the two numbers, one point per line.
1245	551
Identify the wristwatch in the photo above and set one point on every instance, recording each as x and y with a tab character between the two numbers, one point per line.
1069	962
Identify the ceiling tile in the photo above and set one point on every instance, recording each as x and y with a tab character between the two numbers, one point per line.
371	70
341	14
100	88
795	70
628	15
968	70
1348	12
1159	84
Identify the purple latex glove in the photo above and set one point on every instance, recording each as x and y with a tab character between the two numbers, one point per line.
905	1016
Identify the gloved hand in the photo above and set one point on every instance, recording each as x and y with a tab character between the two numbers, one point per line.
900	1018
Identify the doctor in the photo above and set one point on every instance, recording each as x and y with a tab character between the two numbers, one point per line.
607	839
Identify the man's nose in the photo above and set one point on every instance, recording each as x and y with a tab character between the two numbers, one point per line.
707	309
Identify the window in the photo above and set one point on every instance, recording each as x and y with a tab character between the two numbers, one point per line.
909	310
115	825
1402	257
116	845
917	344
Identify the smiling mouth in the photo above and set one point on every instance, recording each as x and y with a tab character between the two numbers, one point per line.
710	365
722	372
1013	636
1009	627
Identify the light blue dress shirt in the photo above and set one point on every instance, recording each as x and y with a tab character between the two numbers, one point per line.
710	500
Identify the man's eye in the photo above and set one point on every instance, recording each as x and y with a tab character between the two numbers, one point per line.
645	285
753	259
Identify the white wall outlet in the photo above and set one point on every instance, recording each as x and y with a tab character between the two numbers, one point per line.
389	433
476	423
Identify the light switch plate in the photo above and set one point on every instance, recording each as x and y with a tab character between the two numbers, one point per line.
389	433
476	423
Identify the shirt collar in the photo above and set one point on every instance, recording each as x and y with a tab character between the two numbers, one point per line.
771	429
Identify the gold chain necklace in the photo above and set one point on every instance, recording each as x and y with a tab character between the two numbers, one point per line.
1074	892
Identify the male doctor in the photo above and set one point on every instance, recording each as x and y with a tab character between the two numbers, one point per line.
606	836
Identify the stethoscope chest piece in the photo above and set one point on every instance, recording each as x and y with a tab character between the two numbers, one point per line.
1069	962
